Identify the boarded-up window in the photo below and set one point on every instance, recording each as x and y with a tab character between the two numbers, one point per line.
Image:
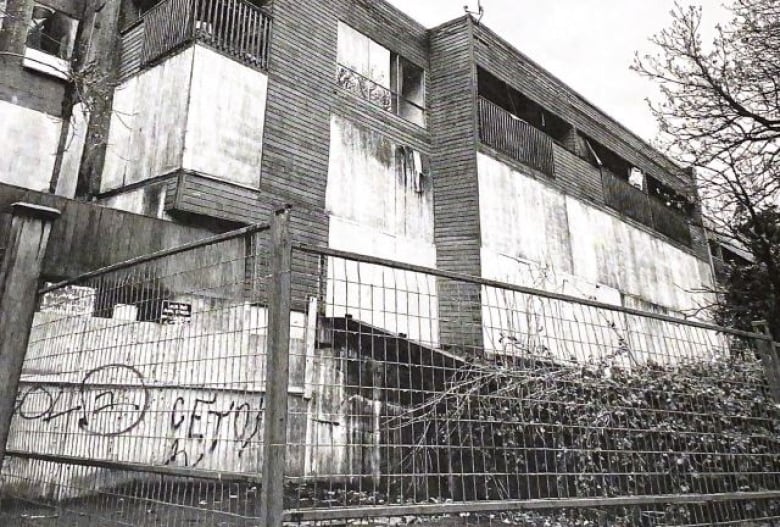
386	79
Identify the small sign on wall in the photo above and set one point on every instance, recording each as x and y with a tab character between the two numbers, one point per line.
175	313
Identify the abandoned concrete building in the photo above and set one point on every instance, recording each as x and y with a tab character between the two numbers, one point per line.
150	124
442	147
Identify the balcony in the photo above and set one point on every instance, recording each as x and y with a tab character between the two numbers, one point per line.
634	203
236	28
519	140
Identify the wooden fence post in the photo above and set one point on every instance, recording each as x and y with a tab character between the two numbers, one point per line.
20	271
277	373
768	352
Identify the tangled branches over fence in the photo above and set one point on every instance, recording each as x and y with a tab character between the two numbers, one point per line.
549	430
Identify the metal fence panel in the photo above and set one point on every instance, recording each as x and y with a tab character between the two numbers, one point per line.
143	389
628	417
143	401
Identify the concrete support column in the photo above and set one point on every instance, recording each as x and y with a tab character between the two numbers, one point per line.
20	271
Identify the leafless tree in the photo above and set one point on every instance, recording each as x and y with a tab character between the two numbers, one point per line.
719	111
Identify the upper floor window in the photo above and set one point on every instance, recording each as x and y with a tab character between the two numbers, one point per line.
380	76
52	32
51	36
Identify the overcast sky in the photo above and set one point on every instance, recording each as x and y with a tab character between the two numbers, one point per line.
589	44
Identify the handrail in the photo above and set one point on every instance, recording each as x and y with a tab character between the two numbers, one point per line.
236	28
499	129
382	96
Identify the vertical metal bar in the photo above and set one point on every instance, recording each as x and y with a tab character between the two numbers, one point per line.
768	353
19	274
277	373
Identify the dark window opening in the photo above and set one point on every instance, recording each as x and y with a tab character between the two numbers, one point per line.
501	94
669	197
144	302
51	32
408	80
603	157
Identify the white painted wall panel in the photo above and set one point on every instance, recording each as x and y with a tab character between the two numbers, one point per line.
146	138
521	217
525	219
28	147
226	118
375	210
610	251
367	186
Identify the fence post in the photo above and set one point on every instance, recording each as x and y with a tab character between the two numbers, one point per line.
767	350
20	271
277	373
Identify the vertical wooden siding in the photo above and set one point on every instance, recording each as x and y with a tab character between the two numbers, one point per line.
518	139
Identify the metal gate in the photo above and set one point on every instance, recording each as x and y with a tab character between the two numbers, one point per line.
249	380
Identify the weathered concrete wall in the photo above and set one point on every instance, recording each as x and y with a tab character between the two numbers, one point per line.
535	236
377	209
525	220
375	206
198	111
146	137
67	179
28	147
187	395
225	121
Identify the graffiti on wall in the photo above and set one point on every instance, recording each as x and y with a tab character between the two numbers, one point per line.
114	400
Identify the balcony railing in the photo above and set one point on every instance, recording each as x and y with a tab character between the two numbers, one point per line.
236	28
636	204
519	140
379	95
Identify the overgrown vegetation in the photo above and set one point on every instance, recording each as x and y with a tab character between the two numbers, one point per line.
591	430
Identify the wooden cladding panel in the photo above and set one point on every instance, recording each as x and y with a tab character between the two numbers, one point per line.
453	129
215	199
297	124
131	50
72	248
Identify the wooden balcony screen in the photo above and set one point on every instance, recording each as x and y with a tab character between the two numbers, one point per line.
634	203
236	28
519	140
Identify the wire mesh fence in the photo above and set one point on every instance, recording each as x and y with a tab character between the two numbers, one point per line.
139	378
408	395
534	400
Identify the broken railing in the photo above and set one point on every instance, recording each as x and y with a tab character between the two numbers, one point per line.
637	204
380	95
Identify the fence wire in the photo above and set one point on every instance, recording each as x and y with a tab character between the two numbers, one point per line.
413	396
142	394
426	391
